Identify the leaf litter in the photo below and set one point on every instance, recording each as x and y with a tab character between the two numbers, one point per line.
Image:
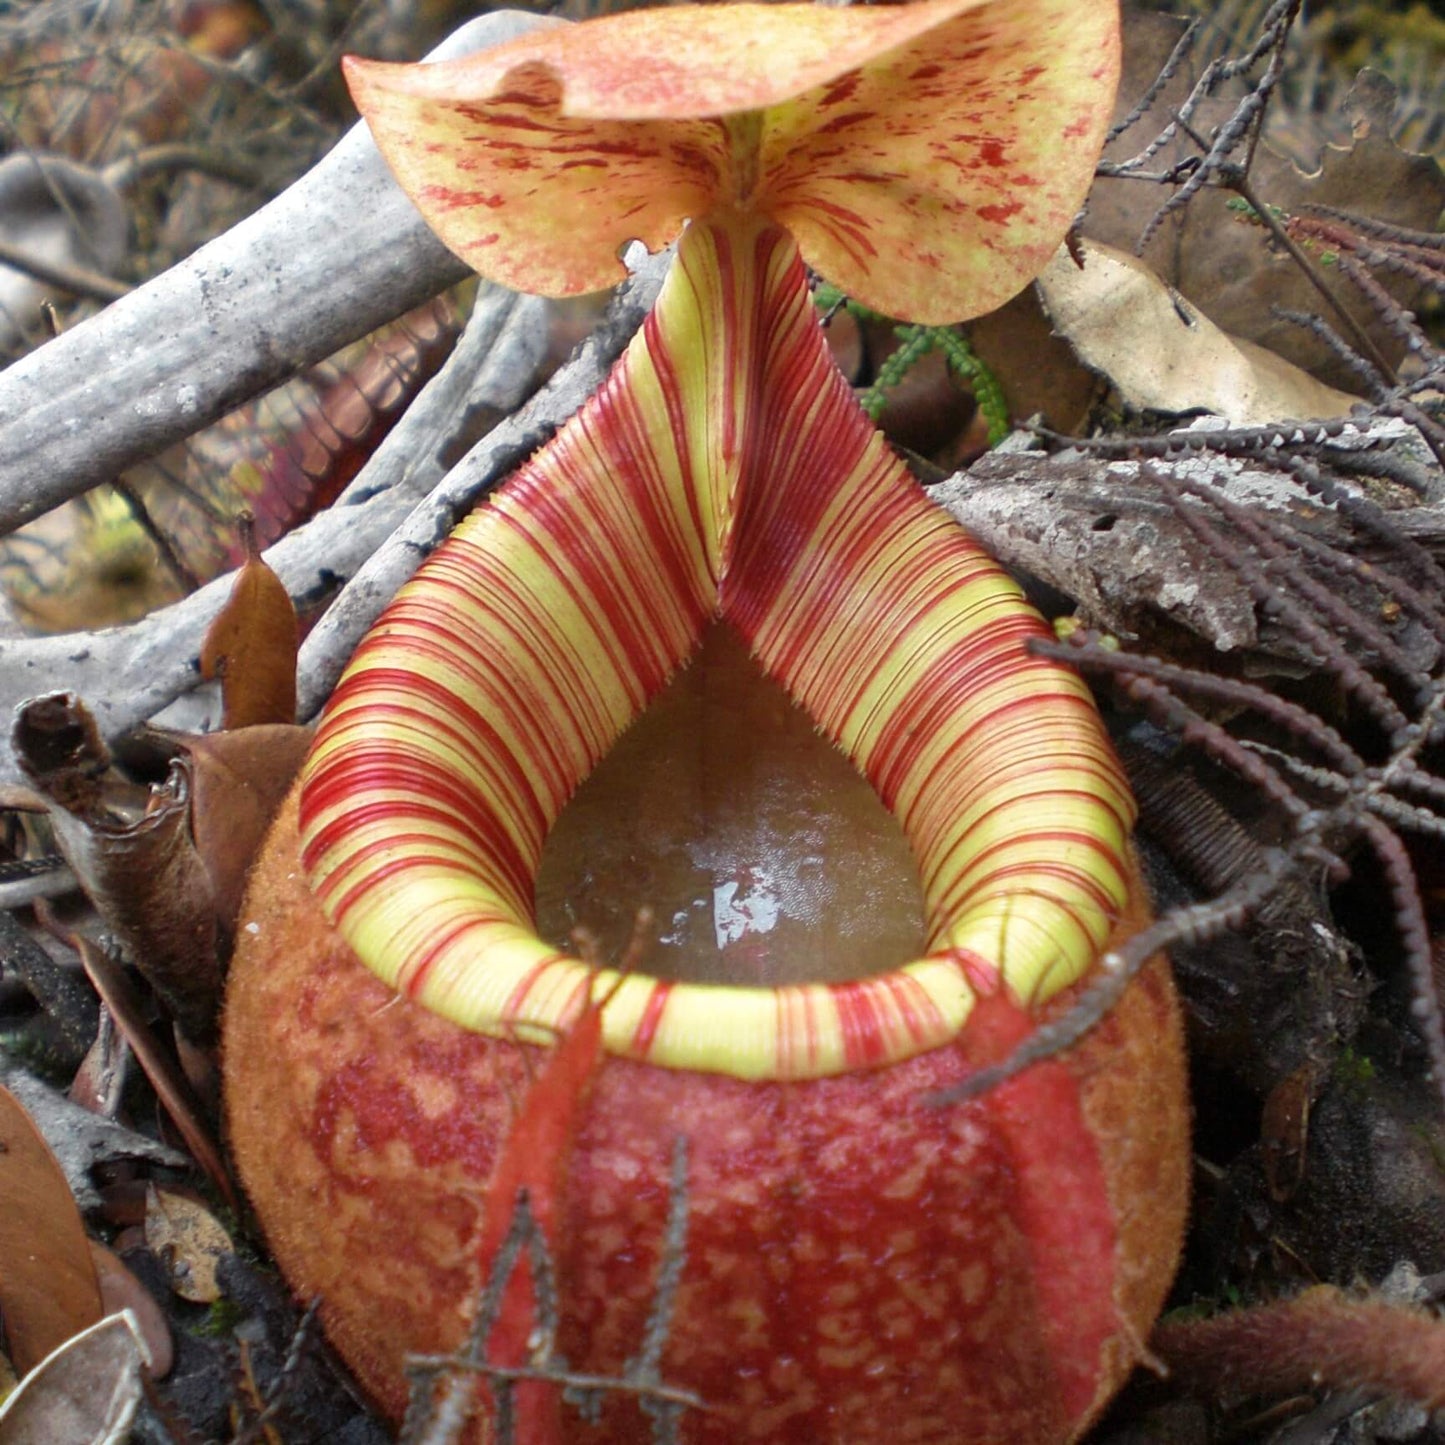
1106	538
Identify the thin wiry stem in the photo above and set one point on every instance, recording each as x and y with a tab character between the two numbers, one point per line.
1086	650
1285	607
1322	804
1170	69
444	1388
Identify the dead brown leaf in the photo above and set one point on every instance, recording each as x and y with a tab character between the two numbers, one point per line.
237	782
143	874
84	1393
100	1081
251	646
121	1290
1163	354
169	882
48	1290
61	751
188	1239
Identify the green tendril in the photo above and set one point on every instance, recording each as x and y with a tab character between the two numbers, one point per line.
914	343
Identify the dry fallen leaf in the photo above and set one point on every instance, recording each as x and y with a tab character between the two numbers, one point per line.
251	646
188	1239
1163	354
142	874
121	1290
237	782
168	883
84	1393
48	1289
1229	264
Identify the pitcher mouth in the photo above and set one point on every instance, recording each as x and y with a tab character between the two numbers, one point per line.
724	471
760	854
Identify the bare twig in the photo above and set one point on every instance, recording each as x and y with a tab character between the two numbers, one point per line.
126	675
443	1387
78	280
332	258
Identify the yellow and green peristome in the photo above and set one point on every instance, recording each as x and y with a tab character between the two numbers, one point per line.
725	472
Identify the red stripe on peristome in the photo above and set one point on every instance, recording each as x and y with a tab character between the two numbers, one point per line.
976	878
516	709
916	1010
495	857
393	868
413	977
343	777
442	709
865	1040
513	613
647	1025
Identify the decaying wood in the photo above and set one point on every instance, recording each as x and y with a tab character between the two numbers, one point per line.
1099	533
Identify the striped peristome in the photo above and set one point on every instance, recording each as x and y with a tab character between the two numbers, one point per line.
723	471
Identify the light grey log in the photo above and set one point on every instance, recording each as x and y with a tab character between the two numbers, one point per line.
336	255
127	674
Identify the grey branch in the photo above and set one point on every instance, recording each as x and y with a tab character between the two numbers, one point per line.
127	674
333	257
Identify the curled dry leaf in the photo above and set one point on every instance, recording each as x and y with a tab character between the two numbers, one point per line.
237	781
168	883
189	1241
143	875
100	1081
48	1290
61	752
1163	354
84	1393
251	646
